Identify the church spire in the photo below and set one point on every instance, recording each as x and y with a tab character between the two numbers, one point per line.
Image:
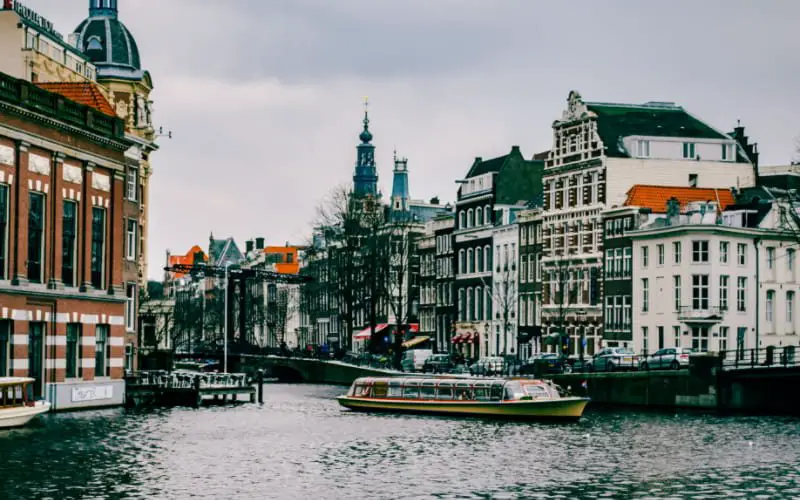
400	199
103	8
365	179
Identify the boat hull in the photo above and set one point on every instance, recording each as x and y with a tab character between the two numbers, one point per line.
21	415
564	408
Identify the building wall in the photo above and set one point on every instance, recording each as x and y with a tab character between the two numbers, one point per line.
781	330
505	293
12	40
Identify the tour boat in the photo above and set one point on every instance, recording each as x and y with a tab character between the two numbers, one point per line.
507	398
15	408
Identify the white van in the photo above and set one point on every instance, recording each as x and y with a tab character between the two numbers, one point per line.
414	359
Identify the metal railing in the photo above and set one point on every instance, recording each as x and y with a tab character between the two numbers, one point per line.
765	357
707	313
186	380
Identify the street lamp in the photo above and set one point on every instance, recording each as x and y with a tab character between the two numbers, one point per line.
486	332
225	329
582	313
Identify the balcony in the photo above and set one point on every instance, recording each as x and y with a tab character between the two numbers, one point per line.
707	315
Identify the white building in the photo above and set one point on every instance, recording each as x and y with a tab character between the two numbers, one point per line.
717	280
505	292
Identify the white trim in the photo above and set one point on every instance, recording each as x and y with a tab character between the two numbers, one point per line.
19	339
20	364
116	341
55	364
19	315
89	319
116	320
116	363
62	317
56	340
88	341
87	363
4	313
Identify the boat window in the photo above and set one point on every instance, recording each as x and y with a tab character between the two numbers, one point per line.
464	393
496	393
395	391
362	390
536	391
514	390
411	391
379	390
482	393
445	392
427	391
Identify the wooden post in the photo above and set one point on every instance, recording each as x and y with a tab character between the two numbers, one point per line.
198	398
260	388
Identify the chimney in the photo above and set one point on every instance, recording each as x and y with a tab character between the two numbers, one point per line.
248	246
515	149
673	210
259	243
435	200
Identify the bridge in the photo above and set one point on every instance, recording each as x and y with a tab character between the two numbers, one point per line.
297	369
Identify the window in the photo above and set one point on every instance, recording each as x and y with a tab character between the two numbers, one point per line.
741	294
645	255
487	215
470	218
100	357
645	295
726	152
73	349
700	292
789	255
626	312
723	252
470	305
68	242
531	267
130	307
790	309
5	347
693	180
770	258
741	254
645	347
462	308
98	246
700	338
770	305
660	251
723	292
478	303
523	269
3	233
609	263
688	153
618	271
132	183
479	216
462	223
470	260
700	251
676	251
462	262
644	148
723	338
479	259
676	286
35	237
676	332
487	256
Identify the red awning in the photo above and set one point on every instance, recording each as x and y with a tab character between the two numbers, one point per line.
457	338
366	333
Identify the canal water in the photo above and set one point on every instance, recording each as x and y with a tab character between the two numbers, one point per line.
301	445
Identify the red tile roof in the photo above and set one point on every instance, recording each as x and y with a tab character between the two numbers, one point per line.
81	92
187	259
655	197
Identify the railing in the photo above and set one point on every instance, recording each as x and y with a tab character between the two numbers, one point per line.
688	313
186	380
765	357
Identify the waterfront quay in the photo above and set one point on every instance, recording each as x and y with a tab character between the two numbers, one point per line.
190	389
300	444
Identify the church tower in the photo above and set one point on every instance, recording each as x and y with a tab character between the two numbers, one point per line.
365	179
400	208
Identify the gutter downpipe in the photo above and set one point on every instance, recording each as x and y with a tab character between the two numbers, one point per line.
756	241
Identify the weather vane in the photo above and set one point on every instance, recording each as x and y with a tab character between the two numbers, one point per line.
366	103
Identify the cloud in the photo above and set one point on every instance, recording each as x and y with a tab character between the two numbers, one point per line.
263	97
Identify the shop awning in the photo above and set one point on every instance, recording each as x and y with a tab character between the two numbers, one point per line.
366	333
415	341
457	338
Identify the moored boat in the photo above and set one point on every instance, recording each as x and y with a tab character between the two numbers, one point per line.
15	408
504	398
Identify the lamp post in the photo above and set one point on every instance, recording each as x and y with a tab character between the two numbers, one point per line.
486	332
225	329
581	313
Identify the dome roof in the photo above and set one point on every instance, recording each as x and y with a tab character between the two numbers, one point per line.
109	45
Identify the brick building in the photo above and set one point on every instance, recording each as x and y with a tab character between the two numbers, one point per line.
62	246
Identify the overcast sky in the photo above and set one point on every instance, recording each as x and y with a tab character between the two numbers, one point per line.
264	97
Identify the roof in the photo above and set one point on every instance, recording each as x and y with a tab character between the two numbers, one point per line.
187	259
481	167
109	45
617	121
655	197
85	93
224	251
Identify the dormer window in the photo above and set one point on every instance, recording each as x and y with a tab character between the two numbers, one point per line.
727	153
93	43
688	150
643	149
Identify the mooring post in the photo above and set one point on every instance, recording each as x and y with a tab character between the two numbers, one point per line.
198	399
260	379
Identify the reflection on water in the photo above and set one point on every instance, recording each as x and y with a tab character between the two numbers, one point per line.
301	444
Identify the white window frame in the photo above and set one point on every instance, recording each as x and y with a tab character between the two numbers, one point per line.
131	238
130	307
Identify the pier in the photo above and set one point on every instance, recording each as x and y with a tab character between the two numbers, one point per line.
180	388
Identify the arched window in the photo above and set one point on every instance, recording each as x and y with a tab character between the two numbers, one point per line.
488	303
487	214
470	218
487	255
471	261
479	216
462	307
470	310
479	259
462	219
479	303
462	262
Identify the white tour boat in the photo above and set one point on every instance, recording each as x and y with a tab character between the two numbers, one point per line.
15	408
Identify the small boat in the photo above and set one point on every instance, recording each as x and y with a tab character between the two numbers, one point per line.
15	408
503	398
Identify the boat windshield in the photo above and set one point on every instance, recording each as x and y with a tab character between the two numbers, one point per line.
536	391
12	395
514	390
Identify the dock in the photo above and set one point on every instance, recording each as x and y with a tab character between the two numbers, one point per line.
186	388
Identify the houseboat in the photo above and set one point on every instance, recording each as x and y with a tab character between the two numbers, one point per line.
504	398
16	409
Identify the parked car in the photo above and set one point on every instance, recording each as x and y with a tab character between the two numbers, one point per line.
670	357
414	359
551	363
487	366
438	363
614	358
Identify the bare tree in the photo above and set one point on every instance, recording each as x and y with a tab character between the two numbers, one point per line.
563	290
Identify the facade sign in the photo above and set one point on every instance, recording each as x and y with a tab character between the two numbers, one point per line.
39	164
72	174
6	155
92	393
101	182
